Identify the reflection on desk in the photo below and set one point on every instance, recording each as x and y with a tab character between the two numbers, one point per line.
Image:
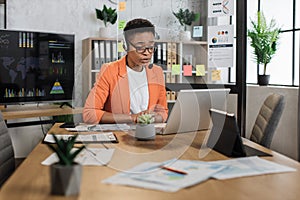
31	180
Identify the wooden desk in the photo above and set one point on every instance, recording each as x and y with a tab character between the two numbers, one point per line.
36	111
31	179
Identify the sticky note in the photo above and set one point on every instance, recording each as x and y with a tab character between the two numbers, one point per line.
216	75
176	69
200	70
122	6
120	47
187	70
122	24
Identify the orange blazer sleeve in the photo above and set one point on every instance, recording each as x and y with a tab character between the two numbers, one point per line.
111	92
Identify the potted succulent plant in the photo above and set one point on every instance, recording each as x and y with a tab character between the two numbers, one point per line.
109	16
145	129
186	18
264	39
65	174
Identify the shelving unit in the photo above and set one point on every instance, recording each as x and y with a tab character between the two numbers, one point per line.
190	52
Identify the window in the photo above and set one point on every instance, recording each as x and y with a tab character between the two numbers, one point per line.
284	67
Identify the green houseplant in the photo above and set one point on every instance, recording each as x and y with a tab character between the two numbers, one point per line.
145	129
186	18
109	16
264	40
66	173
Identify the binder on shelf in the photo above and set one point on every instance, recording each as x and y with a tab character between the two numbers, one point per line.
107	51
173	95
102	52
158	56
96	55
174	53
168	77
114	50
169	56
173	78
168	95
164	55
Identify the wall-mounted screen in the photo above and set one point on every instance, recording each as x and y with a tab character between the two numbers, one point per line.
36	67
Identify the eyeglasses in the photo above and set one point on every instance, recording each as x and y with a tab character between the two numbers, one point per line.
143	49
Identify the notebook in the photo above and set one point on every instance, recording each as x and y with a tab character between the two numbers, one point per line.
191	109
225	136
109	137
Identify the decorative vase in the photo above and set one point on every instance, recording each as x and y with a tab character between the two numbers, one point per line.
105	32
145	132
185	35
65	180
263	80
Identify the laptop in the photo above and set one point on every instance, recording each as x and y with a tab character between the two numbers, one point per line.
191	110
225	136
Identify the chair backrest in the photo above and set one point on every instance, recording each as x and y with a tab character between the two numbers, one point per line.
7	160
267	119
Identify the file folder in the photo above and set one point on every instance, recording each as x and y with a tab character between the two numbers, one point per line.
168	95
168	77
164	55
102	52
114	50
159	55
173	95
96	55
107	51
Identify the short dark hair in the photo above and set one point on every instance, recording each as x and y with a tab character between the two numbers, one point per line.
138	25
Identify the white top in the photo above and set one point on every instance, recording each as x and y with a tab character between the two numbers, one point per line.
138	90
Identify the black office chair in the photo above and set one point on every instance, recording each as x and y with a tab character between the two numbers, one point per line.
7	160
267	120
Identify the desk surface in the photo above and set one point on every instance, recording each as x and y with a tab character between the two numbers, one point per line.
31	180
17	112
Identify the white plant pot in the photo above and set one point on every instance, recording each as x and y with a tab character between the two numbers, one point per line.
185	35
105	32
145	132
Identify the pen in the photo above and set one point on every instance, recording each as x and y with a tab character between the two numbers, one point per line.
174	170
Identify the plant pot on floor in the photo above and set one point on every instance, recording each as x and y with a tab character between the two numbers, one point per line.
145	132
65	180
263	80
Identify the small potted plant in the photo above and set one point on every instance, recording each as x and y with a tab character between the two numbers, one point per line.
109	16
186	18
264	39
65	174
145	129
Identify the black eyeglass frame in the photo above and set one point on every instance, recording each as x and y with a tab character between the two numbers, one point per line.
142	50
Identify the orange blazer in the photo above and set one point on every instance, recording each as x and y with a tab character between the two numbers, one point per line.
111	92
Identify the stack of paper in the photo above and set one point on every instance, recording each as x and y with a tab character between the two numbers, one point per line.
99	127
86	138
151	175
